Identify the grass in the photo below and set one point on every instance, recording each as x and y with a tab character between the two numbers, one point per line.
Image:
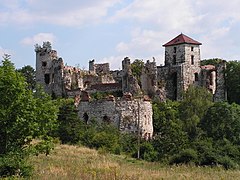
72	162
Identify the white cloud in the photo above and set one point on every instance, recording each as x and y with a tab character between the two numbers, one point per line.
65	13
211	23
38	39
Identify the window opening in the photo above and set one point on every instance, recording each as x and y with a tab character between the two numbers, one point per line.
192	59
174	59
47	78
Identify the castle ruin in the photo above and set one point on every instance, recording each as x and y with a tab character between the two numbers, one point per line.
132	111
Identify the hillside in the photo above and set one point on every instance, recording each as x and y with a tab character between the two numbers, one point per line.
72	162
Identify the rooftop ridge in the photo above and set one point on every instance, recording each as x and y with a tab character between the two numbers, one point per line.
182	39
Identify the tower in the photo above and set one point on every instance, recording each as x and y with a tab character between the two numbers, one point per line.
49	69
182	65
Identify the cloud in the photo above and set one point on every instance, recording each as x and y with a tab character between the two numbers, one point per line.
38	39
211	23
64	13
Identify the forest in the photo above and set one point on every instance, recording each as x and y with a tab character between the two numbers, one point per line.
195	130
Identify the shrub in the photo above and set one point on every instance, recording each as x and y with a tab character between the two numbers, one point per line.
14	164
184	157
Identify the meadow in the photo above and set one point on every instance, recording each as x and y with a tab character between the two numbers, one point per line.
74	162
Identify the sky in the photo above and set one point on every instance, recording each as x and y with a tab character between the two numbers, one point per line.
109	30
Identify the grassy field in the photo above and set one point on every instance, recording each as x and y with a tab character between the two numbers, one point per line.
72	162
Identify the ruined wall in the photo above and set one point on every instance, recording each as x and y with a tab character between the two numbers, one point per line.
129	82
208	77
49	69
72	78
221	92
91	79
100	111
170	79
136	116
149	78
99	68
128	116
117	75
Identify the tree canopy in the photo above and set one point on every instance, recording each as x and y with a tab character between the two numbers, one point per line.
24	116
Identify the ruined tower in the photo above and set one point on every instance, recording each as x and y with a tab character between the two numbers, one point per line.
182	66
129	82
149	78
49	69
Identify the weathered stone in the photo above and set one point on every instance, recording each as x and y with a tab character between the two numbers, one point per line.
129	116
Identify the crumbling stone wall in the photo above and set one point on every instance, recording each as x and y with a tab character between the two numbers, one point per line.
208	77
128	115
221	92
136	116
129	82
49	69
149	78
99	68
72	78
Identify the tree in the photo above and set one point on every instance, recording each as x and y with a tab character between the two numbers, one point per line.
232	81
196	101
169	135
137	67
214	61
30	75
222	121
69	123
23	118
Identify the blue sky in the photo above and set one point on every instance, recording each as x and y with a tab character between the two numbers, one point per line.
109	30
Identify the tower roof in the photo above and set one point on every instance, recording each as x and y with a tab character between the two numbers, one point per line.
182	39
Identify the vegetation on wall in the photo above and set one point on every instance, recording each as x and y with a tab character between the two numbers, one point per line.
136	68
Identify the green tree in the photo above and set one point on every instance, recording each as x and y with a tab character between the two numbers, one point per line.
222	121
22	118
30	75
69	123
169	136
233	81
196	101
137	67
213	61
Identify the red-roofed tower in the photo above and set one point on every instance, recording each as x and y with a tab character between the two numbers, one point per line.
182	65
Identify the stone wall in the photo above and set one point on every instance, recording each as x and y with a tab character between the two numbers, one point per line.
221	92
208	77
149	78
99	68
129	82
128	115
49	69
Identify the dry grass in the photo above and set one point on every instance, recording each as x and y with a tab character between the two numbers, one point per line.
71	162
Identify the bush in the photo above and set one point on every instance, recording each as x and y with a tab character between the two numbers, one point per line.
184	157
147	152
13	164
227	162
